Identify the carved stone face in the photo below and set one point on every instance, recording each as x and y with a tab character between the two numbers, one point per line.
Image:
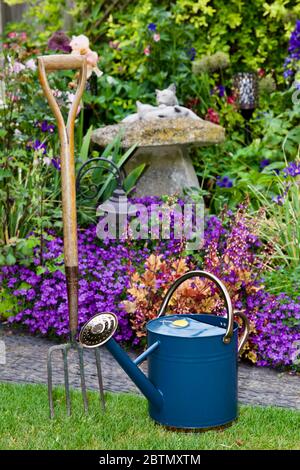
167	97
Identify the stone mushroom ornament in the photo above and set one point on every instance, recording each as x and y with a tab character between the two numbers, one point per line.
81	46
167	108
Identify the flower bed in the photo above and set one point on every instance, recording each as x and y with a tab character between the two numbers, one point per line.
131	277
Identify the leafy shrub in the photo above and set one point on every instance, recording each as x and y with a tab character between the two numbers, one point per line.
276	134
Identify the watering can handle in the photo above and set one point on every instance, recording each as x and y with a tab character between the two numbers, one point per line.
224	291
246	332
54	63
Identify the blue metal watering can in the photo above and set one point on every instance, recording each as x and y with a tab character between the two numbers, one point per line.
192	362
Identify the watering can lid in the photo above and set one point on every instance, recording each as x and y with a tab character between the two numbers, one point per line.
187	326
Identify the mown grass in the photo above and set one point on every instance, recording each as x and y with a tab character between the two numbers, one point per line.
24	424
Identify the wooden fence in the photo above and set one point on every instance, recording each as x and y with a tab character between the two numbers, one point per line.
10	13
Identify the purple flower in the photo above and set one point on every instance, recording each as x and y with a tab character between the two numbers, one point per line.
38	145
59	41
224	182
263	163
291	62
45	127
293	169
287	73
191	53
56	163
278	200
221	90
152	27
294	45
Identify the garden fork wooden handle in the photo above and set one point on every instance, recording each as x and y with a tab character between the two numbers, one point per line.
66	136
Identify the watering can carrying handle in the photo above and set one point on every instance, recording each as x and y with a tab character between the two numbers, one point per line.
229	332
54	63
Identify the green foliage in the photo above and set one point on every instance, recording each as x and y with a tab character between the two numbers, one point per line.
276	136
279	222
19	250
8	304
283	279
252	33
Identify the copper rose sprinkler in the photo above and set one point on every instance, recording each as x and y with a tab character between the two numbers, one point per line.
66	135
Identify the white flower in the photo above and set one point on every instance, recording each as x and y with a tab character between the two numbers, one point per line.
18	67
111	80
31	65
2	94
47	161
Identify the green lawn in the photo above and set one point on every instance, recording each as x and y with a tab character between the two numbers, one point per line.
24	424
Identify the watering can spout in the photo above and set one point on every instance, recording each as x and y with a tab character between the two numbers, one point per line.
132	370
98	331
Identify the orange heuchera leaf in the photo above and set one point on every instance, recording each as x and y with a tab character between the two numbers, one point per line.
180	266
130	307
153	262
135	277
149	278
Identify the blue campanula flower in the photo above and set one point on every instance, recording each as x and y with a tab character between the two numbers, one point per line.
224	182
152	27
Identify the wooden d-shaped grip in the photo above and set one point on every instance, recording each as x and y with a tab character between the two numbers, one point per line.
66	137
53	63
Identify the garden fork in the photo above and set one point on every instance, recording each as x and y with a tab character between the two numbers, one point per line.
46	64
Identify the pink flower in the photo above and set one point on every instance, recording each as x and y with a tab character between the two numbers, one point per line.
12	35
156	37
80	44
230	100
13	98
147	51
23	36
92	58
212	116
70	99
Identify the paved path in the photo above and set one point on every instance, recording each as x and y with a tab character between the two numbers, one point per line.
26	363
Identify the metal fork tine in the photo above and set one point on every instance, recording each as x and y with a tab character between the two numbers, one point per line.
82	378
100	380
64	348
66	374
49	374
